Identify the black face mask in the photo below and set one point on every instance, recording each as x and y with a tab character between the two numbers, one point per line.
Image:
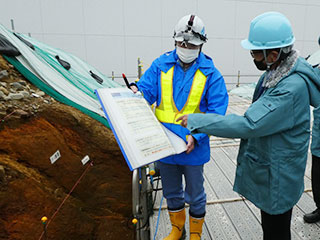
260	65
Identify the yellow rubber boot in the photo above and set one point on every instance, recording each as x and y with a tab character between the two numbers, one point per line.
177	219
195	228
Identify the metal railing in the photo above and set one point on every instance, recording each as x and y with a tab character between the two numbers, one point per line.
238	76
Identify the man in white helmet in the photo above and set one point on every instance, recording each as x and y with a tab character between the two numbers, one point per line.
180	82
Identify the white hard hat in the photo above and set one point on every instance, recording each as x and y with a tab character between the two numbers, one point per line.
190	28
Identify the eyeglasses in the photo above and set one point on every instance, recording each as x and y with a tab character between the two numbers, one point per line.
185	44
189	34
256	53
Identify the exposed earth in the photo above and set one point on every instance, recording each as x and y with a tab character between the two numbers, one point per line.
32	129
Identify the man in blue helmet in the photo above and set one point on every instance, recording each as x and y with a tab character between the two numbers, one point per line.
315	169
274	131
180	82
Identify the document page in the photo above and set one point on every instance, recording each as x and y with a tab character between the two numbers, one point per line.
177	142
139	133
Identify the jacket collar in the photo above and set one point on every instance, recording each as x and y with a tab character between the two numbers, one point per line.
284	69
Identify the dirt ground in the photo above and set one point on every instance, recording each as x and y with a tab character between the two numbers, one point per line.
31	187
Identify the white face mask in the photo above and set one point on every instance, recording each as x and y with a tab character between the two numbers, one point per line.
187	55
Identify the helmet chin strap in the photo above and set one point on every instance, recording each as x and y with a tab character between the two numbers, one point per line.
200	48
265	58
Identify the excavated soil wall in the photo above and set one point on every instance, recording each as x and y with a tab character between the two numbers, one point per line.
31	130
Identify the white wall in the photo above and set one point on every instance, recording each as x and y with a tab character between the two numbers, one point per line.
111	35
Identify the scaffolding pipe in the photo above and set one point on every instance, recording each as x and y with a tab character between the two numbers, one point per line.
144	226
139	68
139	203
12	25
238	82
135	200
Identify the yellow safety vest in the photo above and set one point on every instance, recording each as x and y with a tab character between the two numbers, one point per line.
167	111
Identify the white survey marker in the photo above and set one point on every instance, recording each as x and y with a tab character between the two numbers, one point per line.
55	157
85	160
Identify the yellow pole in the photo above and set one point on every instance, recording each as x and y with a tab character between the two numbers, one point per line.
44	220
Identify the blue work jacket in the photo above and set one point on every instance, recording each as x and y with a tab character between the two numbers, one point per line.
275	133
214	99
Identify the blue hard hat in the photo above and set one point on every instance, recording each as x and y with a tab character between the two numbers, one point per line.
268	31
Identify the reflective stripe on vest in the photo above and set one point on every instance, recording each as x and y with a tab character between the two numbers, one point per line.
167	111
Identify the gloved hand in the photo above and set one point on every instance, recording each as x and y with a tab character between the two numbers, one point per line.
134	87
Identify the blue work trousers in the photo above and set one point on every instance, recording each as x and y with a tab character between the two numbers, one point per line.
174	192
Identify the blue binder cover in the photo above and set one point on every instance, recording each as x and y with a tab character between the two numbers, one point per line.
114	132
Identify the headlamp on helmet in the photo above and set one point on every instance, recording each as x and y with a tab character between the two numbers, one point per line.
190	29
